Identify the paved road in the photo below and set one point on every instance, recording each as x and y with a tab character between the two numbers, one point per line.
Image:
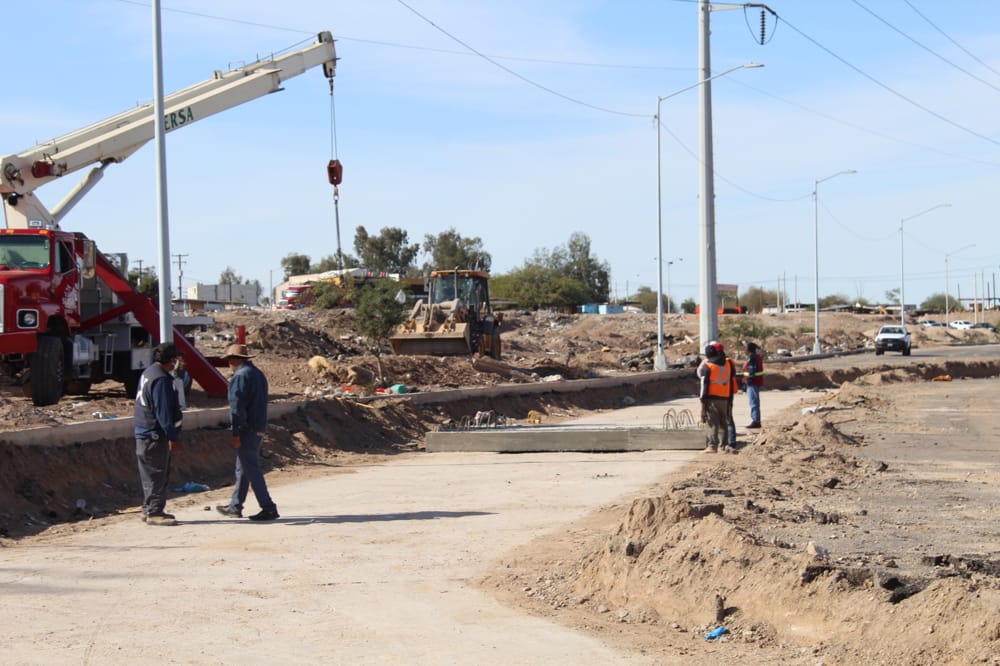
367	566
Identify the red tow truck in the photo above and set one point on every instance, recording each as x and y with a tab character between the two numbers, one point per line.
68	316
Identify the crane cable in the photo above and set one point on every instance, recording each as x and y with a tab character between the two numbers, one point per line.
335	171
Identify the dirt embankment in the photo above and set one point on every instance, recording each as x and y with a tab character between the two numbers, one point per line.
842	535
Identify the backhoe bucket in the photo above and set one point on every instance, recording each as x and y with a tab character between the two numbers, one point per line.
451	342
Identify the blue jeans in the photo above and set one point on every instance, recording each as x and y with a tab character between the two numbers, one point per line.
753	397
249	474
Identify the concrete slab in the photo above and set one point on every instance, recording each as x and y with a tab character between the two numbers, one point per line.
525	439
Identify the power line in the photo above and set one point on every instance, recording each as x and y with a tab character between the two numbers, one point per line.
926	48
867	130
516	74
414	47
949	38
890	89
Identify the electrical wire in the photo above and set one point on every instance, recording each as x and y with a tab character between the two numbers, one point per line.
889	88
949	38
927	48
516	74
867	130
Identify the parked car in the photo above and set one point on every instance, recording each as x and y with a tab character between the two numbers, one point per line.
989	327
893	338
960	323
930	323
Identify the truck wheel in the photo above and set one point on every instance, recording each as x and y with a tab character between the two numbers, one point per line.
878	352
48	365
906	352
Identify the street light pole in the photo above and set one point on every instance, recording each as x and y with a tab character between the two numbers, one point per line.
660	361
817	348
947	304
902	299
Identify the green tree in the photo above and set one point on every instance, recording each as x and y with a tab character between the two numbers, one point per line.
564	277
327	295
832	300
647	300
755	299
390	251
892	296
331	263
688	306
379	311
230	277
937	303
147	283
581	265
450	250
295	264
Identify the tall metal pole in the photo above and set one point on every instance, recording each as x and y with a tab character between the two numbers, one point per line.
817	348
660	361
902	273
166	323
708	320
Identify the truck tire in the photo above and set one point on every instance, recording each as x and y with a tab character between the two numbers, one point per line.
906	352
48	366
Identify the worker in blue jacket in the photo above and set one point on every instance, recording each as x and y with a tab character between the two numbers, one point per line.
157	426
248	419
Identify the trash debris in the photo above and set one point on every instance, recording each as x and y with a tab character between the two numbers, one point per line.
191	487
942	378
103	415
715	633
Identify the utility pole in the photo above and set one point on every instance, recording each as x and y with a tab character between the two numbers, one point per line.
138	282
180	275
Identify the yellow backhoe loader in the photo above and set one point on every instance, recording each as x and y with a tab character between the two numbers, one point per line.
456	318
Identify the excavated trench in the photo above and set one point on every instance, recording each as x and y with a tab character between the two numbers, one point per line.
43	485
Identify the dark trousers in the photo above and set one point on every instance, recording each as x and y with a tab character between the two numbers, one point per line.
154	472
718	422
249	474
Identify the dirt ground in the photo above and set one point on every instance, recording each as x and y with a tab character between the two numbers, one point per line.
861	531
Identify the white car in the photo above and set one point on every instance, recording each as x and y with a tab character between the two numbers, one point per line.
960	323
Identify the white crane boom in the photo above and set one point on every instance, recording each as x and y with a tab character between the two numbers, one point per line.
114	139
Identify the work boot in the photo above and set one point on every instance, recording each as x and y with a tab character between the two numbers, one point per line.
754	425
160	519
266	514
145	516
229	511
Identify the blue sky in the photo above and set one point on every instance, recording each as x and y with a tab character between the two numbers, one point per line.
434	136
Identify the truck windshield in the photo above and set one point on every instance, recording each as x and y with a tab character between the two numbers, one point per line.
20	252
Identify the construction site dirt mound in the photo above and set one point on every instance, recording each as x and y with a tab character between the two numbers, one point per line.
829	538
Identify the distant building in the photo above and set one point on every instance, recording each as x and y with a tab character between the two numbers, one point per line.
220	296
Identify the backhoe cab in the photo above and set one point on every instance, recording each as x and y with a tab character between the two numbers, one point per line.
457	318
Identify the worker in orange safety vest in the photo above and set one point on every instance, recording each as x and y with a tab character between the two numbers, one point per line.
719	383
